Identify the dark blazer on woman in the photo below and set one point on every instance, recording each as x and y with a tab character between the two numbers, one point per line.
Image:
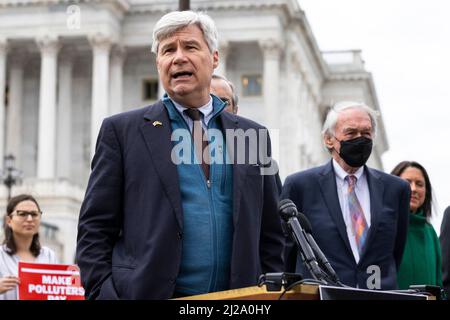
445	248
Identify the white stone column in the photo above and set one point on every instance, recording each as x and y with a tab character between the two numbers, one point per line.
304	139
101	46
313	135
271	82
64	114
3	53
286	124
116	84
15	100
46	162
224	48
317	128
308	123
293	114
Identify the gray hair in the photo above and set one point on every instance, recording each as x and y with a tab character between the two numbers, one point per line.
329	125
177	20
234	96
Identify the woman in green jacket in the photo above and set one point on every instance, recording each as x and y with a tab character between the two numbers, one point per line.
421	263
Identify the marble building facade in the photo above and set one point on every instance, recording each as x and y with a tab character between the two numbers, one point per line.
65	65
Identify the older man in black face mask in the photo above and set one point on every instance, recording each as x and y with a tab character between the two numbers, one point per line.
359	215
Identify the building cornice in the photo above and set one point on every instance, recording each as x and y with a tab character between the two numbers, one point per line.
348	76
122	4
206	5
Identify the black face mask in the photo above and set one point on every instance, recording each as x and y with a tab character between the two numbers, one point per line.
355	152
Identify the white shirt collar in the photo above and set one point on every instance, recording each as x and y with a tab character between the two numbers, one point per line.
206	109
341	173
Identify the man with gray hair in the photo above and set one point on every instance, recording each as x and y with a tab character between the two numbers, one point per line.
359	215
224	89
153	227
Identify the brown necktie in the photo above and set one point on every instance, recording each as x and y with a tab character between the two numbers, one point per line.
200	146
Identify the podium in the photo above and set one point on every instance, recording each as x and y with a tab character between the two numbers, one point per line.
307	292
301	292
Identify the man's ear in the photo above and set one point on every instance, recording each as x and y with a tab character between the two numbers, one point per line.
328	140
215	59
157	65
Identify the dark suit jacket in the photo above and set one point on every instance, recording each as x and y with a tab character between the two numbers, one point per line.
315	194
445	249
131	222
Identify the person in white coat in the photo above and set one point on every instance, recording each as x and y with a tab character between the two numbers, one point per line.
21	243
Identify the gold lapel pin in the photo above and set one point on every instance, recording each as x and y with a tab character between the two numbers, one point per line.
157	123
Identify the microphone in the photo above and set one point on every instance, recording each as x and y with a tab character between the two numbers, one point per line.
288	212
306	225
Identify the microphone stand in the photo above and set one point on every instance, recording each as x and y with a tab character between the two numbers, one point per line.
323	261
330	273
306	245
306	253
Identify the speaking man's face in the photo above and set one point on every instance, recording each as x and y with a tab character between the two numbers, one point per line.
185	66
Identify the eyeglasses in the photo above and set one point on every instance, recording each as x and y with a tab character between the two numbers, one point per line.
226	100
22	214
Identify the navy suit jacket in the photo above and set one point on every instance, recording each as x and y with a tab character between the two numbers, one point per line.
445	248
131	221
314	192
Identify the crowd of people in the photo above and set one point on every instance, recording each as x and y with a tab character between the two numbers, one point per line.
159	224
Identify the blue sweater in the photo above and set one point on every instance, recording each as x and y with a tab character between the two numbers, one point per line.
207	210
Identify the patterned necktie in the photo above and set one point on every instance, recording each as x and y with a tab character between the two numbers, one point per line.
359	223
200	146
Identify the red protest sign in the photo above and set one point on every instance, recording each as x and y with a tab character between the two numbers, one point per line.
39	281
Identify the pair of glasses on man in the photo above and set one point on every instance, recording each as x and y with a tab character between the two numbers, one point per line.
226	100
23	214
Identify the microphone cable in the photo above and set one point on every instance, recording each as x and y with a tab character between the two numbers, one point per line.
300	282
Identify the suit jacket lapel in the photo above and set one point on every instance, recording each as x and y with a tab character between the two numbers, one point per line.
230	121
157	139
327	181
376	189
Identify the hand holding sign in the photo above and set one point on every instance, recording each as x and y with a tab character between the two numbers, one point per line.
7	283
49	282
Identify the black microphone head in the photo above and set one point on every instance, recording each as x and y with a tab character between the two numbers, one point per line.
287	209
304	222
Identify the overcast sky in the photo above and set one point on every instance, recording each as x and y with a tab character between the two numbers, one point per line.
406	46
